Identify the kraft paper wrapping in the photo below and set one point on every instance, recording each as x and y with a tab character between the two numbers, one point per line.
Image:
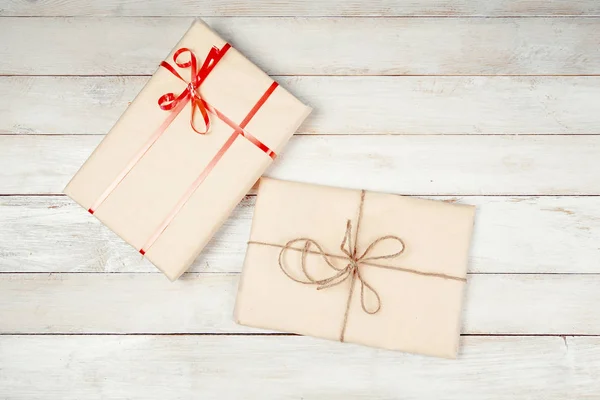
418	313
153	187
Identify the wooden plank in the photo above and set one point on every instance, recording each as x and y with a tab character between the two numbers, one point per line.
286	368
512	234
415	165
343	105
317	46
388	8
203	303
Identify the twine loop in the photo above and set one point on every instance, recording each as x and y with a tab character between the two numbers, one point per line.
350	271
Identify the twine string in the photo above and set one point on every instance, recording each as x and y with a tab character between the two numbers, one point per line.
352	269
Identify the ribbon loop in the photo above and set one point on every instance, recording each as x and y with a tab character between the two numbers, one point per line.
306	249
187	64
363	302
168	101
392	240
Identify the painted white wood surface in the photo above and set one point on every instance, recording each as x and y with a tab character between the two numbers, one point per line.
512	235
534	264
203	303
326	46
342	105
232	367
313	8
406	164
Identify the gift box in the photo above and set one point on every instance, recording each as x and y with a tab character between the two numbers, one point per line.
371	268
188	148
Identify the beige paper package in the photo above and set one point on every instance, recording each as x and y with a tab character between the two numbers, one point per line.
376	269
157	179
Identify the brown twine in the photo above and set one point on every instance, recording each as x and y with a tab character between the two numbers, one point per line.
352	271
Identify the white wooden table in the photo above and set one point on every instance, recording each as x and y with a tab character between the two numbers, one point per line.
494	103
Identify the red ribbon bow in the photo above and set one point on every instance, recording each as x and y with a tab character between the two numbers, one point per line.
170	101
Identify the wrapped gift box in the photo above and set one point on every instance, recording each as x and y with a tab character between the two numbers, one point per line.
376	269
186	151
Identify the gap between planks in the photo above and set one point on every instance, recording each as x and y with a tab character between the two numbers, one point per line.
252	194
314	75
283	334
370	135
188	274
338	16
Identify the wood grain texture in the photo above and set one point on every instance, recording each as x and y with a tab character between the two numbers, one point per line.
415	165
231	367
512	235
342	105
313	8
298	46
203	303
534	260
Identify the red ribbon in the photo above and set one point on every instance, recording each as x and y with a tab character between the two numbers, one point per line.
238	130
174	104
170	101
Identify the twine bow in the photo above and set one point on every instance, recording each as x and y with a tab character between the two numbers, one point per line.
353	266
170	101
350	271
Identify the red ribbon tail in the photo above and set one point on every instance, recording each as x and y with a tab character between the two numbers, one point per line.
197	103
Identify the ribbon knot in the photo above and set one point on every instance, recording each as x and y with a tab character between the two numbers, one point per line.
170	101
351	271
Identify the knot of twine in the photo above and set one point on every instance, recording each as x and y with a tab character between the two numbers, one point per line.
352	269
